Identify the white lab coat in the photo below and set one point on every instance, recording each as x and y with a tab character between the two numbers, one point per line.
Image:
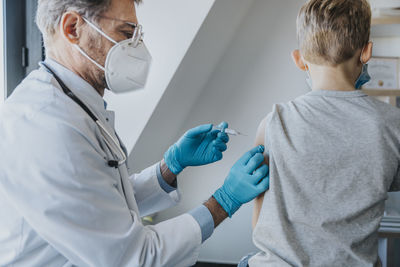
61	204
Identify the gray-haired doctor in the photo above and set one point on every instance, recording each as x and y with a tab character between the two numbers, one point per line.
66	198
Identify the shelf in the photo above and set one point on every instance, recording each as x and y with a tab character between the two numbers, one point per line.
390	227
382	92
385	20
385	30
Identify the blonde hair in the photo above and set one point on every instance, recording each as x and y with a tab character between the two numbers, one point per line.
330	32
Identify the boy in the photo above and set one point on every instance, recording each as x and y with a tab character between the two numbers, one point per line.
333	153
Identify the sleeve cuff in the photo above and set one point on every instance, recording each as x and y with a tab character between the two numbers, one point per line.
163	184
204	218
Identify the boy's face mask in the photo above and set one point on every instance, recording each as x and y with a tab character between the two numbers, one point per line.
363	78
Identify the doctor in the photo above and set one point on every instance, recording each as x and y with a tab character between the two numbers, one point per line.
66	198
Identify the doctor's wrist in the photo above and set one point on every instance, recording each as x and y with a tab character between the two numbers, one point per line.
217	211
167	174
171	160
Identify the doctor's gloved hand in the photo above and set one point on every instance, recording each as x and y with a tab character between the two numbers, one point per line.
199	146
247	179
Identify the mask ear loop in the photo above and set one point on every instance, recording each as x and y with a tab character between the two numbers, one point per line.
103	34
89	58
99	31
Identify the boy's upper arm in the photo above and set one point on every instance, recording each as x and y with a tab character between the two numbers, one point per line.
260	137
260	140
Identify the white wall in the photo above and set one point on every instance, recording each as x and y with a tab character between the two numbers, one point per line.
170	28
255	72
164	126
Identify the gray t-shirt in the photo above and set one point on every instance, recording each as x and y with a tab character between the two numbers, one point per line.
333	157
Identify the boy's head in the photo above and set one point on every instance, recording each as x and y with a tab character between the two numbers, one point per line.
331	32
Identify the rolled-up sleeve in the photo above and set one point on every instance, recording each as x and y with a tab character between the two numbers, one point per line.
164	185
204	218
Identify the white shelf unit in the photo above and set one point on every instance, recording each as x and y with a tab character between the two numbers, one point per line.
386	32
385	20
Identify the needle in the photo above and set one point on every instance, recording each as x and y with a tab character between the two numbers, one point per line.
231	132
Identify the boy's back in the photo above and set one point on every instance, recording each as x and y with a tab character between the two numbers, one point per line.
333	157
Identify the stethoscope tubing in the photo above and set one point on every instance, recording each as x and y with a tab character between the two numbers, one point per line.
70	94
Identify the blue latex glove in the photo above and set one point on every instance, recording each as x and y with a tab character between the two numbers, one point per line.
247	179
199	146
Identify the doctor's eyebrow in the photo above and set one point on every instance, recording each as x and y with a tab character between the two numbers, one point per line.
127	25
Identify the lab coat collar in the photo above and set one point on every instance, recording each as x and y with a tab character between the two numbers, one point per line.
82	89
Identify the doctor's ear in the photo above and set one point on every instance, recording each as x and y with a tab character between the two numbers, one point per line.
298	60
69	26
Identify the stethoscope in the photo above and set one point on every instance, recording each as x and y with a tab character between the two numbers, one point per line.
111	142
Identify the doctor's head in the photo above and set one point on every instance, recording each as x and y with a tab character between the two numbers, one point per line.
72	32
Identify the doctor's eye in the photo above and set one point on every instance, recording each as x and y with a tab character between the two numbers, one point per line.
128	35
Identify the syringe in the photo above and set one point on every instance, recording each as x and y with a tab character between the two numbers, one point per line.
230	131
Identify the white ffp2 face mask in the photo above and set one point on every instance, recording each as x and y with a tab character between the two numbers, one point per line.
127	66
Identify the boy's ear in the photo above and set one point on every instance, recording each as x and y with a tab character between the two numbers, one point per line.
298	60
367	53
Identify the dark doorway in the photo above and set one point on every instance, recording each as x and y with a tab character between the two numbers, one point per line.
22	41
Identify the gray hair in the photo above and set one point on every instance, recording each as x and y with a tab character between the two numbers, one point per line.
49	12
